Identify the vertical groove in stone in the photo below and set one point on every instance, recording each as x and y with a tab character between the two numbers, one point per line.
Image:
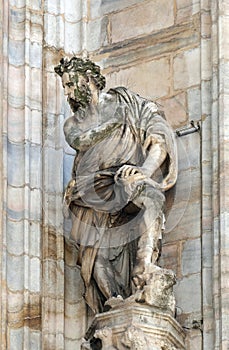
33	166
84	34
206	175
28	90
223	144
52	159
74	26
62	32
220	132
21	229
2	265
16	193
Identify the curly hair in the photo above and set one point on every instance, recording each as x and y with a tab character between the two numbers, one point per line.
82	66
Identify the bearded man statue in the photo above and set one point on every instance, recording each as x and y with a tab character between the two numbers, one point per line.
125	161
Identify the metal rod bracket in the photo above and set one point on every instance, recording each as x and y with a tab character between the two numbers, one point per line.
189	129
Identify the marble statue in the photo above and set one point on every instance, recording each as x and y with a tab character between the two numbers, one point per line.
125	161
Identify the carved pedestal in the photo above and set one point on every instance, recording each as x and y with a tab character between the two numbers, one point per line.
134	326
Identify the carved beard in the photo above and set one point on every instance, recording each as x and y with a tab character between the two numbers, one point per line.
82	99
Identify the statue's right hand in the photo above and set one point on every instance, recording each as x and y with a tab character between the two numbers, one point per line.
129	174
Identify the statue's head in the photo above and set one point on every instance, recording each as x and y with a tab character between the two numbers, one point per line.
79	78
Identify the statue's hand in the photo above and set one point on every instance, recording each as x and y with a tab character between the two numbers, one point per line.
129	174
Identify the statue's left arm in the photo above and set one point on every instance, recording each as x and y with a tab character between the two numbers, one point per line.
156	150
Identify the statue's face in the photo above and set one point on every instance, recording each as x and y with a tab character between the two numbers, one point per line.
77	88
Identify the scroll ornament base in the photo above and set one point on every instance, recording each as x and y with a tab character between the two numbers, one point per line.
144	321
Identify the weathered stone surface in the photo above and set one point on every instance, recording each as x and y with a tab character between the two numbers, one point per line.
194	340
207	295
184	222
16	15
191	257
186	9
187	159
146	18
16	93
73	10
194	104
54	30
34	17
35	118
34	58
16	124
32	280
14	241
16	301
53	136
33	154
53	160
137	78
67	167
34	341
75	326
72	37
35	33
17	3
100	7
75	288
158	291
35	4
16	52
16	339
53	246
36	203
53	321
169	257
34	236
70	344
206	26
175	109
15	203
97	35
33	96
53	274
53	7
53	341
51	98
187	69
188	293
183	201
206	105
16	160
148	47
15	276
53	210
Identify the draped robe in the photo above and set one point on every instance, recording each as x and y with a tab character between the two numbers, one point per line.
102	217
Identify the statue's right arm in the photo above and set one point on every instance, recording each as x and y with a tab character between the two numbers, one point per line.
82	139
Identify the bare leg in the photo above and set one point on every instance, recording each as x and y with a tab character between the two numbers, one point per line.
150	233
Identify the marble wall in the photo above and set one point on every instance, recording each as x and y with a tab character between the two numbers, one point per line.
174	52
